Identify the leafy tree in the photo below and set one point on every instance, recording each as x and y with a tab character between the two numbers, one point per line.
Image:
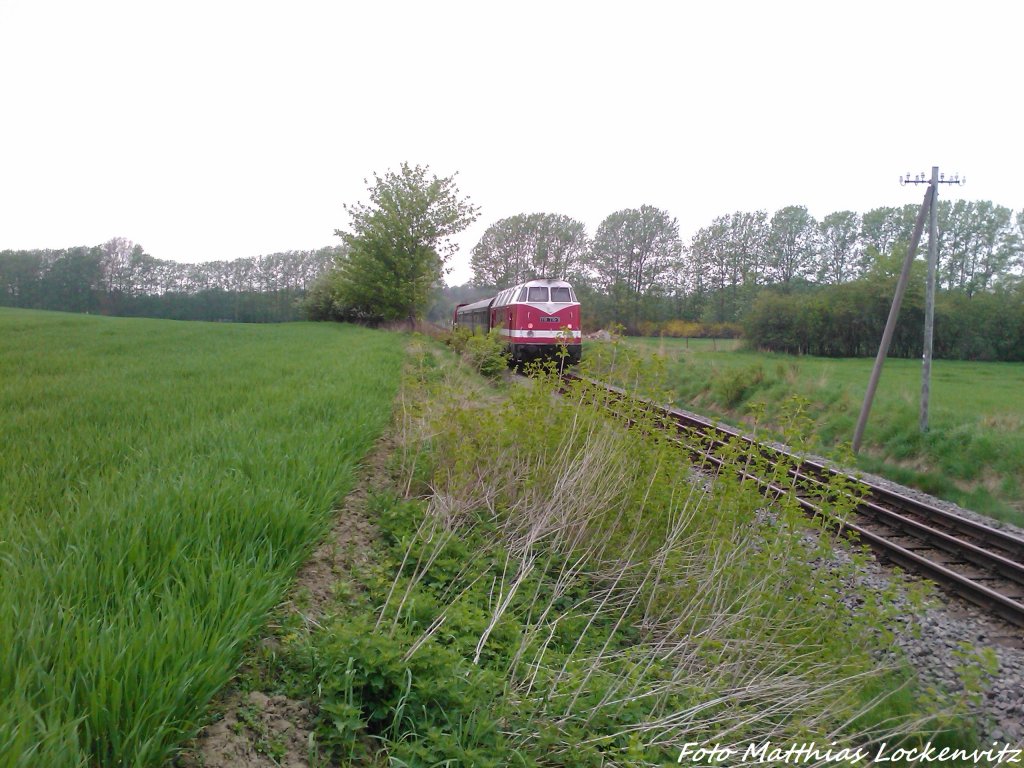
21	275
319	302
840	242
528	246
1015	240
750	237
792	244
121	258
708	258
399	243
121	261
73	282
977	244
636	254
882	229
727	260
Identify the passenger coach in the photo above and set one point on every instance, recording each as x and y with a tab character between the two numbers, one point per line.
533	318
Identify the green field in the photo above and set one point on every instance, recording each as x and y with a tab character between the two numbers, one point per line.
160	482
973	452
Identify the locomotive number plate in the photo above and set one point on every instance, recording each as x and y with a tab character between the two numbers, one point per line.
549	319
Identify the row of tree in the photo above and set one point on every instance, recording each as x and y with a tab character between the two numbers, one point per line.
797	284
633	260
120	278
637	269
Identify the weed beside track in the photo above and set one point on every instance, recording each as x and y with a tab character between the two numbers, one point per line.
973	453
550	588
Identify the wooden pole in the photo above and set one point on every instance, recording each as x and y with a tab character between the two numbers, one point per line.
929	298
890	325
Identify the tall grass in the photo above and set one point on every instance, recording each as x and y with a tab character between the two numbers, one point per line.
973	452
160	483
563	592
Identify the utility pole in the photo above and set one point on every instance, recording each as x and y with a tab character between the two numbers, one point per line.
929	299
890	325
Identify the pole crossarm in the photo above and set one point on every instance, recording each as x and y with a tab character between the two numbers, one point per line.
920	178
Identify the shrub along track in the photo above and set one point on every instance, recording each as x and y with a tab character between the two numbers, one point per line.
978	563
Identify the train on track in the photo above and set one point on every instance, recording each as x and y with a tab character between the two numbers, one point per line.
535	319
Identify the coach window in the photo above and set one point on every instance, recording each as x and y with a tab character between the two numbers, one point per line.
539	293
561	294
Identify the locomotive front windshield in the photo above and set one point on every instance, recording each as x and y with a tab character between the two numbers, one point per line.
561	294
539	293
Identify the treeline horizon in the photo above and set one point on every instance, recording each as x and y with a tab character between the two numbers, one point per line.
787	281
120	278
834	278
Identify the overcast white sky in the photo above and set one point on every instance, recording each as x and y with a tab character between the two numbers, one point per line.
216	130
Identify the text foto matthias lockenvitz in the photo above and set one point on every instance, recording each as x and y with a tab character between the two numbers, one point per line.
767	753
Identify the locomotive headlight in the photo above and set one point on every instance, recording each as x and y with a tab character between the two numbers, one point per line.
529	325
569	326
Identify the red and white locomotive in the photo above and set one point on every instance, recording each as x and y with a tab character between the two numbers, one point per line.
533	318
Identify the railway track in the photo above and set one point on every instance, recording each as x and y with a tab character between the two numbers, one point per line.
976	562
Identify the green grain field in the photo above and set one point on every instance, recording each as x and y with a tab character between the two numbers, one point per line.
973	452
160	482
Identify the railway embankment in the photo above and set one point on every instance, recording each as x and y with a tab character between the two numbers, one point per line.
538	580
961	639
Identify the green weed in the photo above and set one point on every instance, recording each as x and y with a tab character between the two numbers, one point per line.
570	594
